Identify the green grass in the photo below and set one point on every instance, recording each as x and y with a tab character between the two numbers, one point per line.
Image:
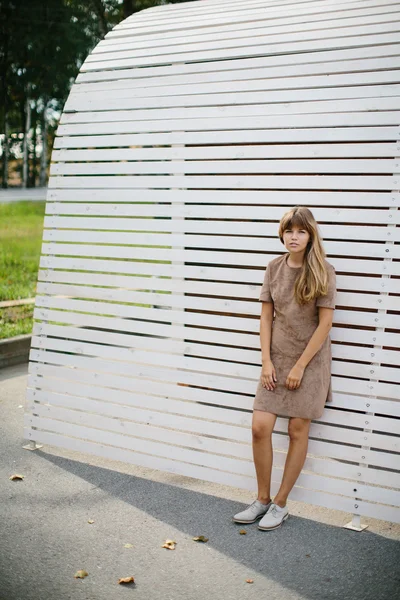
21	227
15	321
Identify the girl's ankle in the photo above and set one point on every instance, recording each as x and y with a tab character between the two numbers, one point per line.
264	500
280	503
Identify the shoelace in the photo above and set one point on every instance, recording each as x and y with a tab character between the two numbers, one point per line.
254	506
274	511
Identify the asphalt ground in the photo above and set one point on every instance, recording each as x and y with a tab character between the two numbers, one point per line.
45	536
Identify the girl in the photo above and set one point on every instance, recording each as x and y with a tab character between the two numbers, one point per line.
295	382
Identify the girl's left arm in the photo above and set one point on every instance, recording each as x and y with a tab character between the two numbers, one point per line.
295	376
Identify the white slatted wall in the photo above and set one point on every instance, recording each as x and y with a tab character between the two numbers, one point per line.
190	130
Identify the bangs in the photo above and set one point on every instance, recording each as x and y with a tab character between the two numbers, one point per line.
296	219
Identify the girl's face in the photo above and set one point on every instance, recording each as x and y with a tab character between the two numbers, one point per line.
296	239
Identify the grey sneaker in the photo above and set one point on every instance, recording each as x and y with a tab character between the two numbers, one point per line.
274	517
256	510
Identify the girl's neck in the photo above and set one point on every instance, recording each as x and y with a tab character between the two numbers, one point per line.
295	259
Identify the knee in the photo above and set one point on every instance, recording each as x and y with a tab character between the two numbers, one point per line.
298	428
260	431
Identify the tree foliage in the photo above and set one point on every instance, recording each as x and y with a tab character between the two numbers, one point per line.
42	46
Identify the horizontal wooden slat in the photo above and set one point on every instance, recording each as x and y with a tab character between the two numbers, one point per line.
162	444
316	199
330	94
272	97
76	228
265	23
278	16
241	339
62	228
285	31
339	57
175	242
195	239
347	119
383	34
166	404
349	182
82	224
182	209
361	60
203	363
209	12
181	431
321	134
210	9
288	151
343	282
206	167
148	296
211	273
231	406
245	37
214	381
165	301
222	351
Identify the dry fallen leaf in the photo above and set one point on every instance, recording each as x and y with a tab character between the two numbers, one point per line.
200	538
242	532
308	555
127	580
90	521
128	545
169	544
17	477
249	580
81	574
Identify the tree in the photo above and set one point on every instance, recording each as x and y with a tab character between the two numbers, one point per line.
42	46
41	49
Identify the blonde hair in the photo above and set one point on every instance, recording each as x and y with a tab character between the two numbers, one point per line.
312	281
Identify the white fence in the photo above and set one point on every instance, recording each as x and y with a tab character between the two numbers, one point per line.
189	132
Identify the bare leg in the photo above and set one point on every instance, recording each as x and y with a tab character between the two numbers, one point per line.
263	425
298	432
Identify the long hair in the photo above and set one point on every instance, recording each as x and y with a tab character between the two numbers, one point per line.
313	278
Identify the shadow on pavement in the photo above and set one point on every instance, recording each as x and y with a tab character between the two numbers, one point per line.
316	560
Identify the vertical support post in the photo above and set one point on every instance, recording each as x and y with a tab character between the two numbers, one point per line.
40	330
355	523
181	263
32	445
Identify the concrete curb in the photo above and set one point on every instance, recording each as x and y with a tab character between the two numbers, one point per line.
15	350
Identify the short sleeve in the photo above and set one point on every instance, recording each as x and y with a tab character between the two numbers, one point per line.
329	301
265	292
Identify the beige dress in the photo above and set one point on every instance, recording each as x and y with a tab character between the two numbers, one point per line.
292	328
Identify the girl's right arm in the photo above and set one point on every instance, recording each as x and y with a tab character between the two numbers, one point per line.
268	375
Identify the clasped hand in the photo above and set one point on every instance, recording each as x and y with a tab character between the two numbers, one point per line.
268	376
294	378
